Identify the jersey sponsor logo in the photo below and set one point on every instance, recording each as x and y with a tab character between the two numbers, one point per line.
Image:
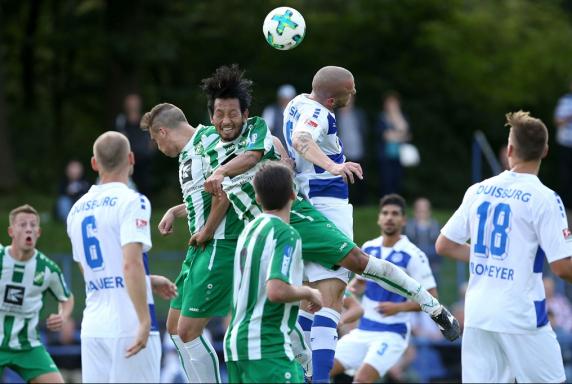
311	123
343	246
193	309
567	234
186	174
14	294
140	223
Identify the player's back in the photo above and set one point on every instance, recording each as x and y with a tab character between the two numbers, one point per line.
512	221
106	218
307	115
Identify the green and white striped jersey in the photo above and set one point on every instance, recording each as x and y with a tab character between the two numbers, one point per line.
255	136
194	169
267	249
22	288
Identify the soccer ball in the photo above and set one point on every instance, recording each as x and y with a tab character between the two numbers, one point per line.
284	28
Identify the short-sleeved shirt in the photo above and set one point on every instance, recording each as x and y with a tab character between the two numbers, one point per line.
254	136
303	114
194	169
564	111
267	249
412	261
99	224
514	222
22	287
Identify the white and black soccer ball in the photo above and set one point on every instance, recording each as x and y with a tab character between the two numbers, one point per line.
284	28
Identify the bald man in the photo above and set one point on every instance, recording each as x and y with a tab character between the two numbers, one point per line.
110	232
323	175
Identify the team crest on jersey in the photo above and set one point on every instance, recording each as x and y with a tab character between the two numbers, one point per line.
396	257
567	234
311	123
39	278
140	223
14	294
199	149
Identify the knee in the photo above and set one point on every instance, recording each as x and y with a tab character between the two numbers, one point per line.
189	330
356	260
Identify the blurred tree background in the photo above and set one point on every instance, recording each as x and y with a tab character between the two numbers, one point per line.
459	65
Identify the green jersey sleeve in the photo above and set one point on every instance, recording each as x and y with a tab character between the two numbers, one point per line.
57	284
288	248
259	137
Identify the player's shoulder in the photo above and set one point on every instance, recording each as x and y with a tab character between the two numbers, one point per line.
47	262
376	242
404	245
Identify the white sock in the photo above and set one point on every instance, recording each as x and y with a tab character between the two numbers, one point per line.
203	360
392	278
184	359
301	349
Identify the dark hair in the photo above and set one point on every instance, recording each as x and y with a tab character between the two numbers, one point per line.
228	83
529	134
273	184
393	199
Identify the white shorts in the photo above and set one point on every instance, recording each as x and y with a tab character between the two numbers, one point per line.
103	360
495	357
381	350
341	214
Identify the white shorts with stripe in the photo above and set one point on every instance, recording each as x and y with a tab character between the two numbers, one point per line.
103	360
381	350
341	214
495	357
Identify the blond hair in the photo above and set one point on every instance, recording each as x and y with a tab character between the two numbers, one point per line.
26	208
163	115
529	135
111	150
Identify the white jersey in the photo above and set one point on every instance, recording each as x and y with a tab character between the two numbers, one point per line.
303	114
99	224
412	261
514	222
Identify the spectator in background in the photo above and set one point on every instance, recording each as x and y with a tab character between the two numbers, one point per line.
72	186
274	113
563	120
393	130
423	231
143	148
559	306
352	129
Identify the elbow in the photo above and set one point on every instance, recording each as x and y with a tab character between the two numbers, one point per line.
441	246
275	296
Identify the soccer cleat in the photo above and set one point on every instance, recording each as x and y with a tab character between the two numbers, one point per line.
447	323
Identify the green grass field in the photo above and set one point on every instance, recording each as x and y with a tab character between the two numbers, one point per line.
168	252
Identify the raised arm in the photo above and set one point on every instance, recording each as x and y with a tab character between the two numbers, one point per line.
304	144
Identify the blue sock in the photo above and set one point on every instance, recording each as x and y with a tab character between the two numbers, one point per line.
305	319
324	338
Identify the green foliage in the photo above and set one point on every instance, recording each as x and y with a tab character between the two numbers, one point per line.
460	65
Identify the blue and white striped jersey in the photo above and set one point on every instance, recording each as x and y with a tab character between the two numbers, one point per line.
412	261
303	114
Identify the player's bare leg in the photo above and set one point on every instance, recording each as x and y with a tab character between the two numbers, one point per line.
172	323
52	377
395	280
202	357
366	374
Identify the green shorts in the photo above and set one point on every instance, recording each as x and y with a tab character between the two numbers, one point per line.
322	241
205	282
271	370
29	364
